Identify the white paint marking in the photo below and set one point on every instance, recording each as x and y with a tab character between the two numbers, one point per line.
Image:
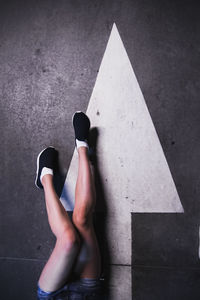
129	151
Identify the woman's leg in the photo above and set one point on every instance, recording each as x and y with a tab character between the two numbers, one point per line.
82	215
58	267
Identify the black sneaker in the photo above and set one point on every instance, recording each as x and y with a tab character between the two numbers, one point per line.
81	125
46	158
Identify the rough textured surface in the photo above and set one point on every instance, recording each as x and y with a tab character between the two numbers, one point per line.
168	240
19	278
50	52
165	284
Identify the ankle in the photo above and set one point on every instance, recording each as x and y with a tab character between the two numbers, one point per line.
46	179
82	150
80	144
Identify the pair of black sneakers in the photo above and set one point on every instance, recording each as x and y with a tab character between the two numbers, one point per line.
48	157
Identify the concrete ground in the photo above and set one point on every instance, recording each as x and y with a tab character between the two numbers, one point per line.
50	55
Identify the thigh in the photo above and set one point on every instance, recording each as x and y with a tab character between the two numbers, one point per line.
58	268
88	263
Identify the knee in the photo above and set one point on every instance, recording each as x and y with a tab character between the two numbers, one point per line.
69	240
81	219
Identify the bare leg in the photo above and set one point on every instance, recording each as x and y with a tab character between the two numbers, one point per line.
82	216
58	267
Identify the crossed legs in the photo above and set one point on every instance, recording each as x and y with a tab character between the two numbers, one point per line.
69	236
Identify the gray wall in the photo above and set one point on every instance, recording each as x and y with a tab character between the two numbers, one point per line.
50	52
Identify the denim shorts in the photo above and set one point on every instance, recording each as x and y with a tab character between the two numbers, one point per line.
85	288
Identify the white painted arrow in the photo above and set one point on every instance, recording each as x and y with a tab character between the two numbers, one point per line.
131	160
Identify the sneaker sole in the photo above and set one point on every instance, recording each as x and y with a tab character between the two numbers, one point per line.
38	158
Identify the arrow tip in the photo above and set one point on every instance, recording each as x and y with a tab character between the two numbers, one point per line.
114	26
